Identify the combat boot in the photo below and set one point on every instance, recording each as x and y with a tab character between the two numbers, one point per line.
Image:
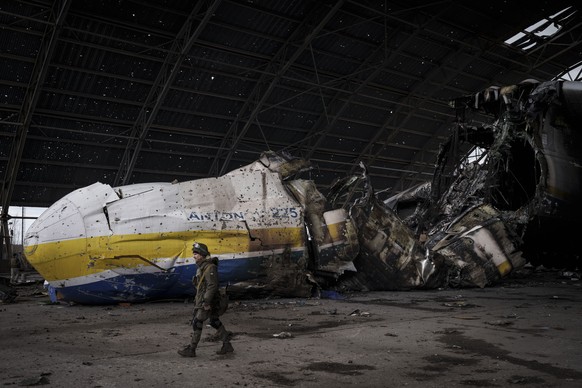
225	338
190	350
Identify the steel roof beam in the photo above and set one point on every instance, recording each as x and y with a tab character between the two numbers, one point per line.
321	134
57	15
49	41
232	139
366	153
180	46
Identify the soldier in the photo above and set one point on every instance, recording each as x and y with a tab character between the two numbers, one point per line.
14	268
207	302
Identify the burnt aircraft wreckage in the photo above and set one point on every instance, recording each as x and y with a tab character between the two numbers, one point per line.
274	234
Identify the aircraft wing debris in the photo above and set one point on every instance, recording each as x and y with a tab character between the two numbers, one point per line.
391	257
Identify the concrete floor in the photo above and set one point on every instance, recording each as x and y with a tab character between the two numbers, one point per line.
525	332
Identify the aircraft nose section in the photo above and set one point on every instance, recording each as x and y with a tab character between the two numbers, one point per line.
57	243
48	240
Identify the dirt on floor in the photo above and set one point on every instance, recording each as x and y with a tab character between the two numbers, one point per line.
524	332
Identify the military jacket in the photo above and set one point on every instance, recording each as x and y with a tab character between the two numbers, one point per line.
206	282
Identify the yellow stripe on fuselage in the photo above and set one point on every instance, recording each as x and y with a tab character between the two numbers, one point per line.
67	259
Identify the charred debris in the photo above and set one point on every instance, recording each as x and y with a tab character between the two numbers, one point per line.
505	192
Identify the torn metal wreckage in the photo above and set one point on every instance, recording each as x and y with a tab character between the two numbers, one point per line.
473	224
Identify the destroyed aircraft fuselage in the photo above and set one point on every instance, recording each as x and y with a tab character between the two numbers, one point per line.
530	175
275	235
133	243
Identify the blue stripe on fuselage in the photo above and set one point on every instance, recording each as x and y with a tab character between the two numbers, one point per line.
174	283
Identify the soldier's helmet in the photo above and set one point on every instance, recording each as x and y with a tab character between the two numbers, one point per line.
200	248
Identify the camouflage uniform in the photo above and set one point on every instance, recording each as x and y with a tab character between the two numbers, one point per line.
206	283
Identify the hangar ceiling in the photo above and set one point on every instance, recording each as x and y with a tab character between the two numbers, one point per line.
128	91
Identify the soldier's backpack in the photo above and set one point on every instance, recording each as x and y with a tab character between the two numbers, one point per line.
223	295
